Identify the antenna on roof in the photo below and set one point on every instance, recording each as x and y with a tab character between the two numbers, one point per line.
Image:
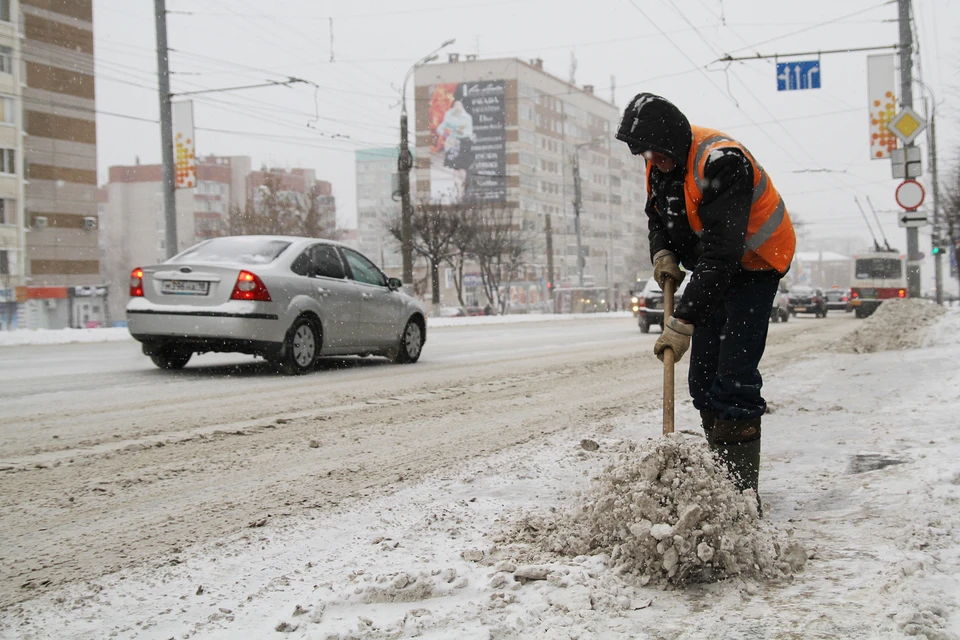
877	218
876	245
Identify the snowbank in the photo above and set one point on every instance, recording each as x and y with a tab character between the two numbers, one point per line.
21	337
896	324
859	468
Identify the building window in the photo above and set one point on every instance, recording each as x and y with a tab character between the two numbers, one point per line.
4	263
6	110
6	59
8	211
5	10
8	161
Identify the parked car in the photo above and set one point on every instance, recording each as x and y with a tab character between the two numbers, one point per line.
287	299
650	304
780	311
475	311
838	299
804	299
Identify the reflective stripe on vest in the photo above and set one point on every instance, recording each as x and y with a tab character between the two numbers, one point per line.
765	199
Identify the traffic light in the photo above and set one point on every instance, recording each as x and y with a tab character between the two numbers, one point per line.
936	246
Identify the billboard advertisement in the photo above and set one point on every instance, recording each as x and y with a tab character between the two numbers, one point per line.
881	86
184	145
468	144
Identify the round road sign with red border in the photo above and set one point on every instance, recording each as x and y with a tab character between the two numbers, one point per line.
910	194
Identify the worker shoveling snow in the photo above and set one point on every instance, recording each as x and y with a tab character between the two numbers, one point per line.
665	513
896	324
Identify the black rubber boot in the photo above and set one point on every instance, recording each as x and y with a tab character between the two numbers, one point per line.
737	444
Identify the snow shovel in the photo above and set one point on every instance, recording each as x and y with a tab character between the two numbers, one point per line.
669	286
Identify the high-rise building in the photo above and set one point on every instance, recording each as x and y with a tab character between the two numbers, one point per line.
60	147
13	235
377	206
506	132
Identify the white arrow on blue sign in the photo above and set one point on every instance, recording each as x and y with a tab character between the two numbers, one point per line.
792	76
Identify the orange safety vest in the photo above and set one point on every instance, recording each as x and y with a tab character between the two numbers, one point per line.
771	240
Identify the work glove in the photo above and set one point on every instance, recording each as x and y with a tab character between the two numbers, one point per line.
665	265
676	336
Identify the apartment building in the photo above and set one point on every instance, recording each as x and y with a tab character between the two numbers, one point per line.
377	208
60	149
13	236
505	131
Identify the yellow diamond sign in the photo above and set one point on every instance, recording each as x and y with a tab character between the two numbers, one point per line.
906	125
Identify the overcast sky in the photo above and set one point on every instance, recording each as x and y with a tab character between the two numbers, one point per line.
814	143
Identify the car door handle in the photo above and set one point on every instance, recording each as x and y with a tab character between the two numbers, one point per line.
322	291
366	296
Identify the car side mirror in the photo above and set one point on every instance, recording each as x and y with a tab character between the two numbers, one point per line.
394	284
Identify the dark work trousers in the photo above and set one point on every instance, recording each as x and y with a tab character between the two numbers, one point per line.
726	350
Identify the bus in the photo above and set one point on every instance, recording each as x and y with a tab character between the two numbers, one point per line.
877	276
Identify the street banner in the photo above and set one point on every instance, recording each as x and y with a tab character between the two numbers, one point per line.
468	158
881	85
184	145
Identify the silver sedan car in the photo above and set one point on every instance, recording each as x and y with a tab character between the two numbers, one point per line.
287	299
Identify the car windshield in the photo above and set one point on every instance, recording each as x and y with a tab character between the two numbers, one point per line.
244	249
801	291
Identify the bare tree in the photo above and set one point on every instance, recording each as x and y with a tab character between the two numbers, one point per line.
313	213
462	245
501	246
273	212
434	226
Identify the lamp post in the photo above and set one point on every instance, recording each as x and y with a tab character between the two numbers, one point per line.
932	151
404	163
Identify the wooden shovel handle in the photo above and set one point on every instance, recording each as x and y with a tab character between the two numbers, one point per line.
668	359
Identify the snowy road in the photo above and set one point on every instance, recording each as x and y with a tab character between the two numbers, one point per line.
107	462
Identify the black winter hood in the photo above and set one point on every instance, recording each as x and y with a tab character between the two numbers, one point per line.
652	123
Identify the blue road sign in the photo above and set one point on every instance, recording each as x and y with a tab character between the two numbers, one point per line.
792	76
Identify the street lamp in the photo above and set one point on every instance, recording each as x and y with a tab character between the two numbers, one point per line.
404	163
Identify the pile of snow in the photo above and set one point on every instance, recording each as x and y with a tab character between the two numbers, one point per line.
666	513
896	324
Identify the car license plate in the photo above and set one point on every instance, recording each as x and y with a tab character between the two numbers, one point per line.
800	309
185	287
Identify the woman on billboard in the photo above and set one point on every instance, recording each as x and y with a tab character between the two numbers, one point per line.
457	132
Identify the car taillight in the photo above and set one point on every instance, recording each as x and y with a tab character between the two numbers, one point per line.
249	287
642	302
854	294
902	293
136	283
843	299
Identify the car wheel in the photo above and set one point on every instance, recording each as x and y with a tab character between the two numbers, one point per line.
644	325
301	347
784	316
171	357
775	316
411	343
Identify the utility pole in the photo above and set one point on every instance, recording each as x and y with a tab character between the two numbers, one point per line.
550	282
166	131
906	100
577	203
404	162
